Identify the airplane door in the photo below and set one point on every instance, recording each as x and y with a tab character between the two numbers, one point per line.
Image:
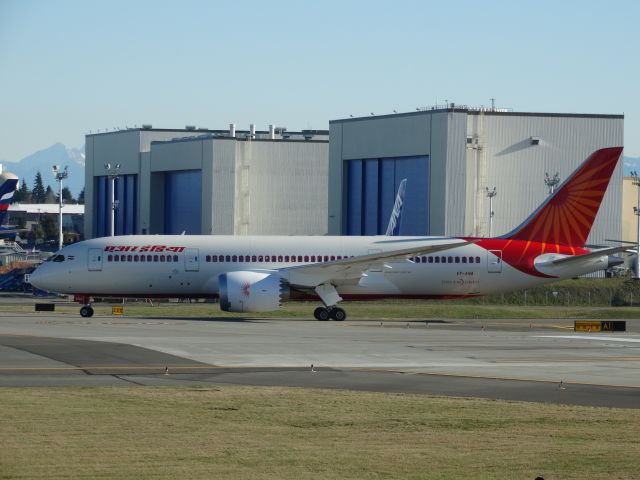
94	259
191	262
494	259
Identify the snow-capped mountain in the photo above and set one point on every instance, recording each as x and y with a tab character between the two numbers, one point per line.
44	160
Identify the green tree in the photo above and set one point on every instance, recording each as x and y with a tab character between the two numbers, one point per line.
67	197
22	195
49	196
38	194
49	227
81	197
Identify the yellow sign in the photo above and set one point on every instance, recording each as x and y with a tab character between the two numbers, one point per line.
588	326
117	310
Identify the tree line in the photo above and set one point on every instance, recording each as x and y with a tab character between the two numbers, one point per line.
40	194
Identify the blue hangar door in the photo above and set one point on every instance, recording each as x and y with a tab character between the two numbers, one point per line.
372	185
183	202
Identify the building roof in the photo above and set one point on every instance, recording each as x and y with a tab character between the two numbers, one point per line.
48	208
477	111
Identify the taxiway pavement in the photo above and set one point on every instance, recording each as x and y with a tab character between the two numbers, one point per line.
519	360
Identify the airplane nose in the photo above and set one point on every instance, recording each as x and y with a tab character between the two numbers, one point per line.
38	278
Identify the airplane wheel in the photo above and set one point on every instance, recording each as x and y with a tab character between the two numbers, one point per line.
338	314
321	314
86	311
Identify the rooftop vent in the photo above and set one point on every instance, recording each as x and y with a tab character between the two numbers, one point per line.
189	127
147	126
307	134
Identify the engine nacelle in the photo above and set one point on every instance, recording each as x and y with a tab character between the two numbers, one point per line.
252	291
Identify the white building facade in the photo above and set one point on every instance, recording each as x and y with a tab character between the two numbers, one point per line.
224	182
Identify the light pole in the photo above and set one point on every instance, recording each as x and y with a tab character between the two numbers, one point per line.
113	173
636	210
551	182
60	175
491	194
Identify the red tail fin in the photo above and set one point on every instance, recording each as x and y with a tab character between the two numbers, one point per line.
566	217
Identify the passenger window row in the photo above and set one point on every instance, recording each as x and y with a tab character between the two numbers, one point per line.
274	258
446	259
142	258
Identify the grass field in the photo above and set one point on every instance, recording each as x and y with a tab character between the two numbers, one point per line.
386	310
256	433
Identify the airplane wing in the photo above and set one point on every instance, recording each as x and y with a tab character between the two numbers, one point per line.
354	268
621	241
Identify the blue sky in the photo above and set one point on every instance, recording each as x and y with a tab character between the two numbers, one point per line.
70	67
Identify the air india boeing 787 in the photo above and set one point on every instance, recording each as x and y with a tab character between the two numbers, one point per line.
258	273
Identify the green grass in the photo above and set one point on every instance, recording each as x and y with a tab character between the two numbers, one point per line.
385	310
258	433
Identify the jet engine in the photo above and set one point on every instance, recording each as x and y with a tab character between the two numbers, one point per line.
252	291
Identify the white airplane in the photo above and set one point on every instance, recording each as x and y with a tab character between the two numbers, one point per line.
258	273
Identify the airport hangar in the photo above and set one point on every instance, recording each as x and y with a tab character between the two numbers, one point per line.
343	181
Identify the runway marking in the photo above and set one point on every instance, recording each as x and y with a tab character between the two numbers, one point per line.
486	377
580	359
319	368
592	337
110	367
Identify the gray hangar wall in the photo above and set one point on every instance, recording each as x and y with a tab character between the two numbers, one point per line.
463	151
170	181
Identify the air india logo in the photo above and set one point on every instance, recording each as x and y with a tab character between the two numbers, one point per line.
245	288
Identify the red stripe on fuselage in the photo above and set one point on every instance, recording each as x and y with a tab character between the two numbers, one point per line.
521	254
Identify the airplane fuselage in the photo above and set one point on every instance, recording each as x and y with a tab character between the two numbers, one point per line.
189	266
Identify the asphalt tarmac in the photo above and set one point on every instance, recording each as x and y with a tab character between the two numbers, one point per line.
512	360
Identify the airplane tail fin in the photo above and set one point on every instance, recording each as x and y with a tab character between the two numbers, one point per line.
393	229
8	185
566	217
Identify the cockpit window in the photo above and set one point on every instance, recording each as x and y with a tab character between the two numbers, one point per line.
58	258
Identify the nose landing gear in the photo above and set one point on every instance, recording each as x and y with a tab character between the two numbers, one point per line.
86	310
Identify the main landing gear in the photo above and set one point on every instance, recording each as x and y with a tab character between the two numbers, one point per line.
329	296
86	311
325	313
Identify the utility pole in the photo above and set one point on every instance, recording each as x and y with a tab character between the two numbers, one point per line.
59	176
491	194
636	210
113	172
